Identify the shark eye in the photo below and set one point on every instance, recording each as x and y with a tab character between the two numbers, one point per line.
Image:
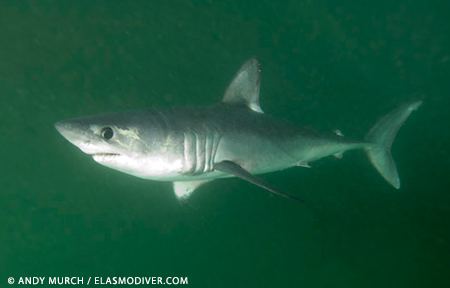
107	133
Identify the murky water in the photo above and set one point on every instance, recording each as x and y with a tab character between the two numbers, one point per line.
326	65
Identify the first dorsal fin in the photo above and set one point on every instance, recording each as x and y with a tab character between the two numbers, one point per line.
244	88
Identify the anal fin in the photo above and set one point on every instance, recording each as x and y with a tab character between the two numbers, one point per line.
339	155
303	164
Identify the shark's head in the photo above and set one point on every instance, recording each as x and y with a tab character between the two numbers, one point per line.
123	141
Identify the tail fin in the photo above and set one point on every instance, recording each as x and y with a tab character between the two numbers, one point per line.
382	135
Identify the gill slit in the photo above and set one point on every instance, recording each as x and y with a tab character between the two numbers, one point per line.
200	150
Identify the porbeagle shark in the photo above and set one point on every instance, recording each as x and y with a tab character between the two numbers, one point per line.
192	146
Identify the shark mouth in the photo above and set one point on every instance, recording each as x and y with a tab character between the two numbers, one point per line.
106	157
105	154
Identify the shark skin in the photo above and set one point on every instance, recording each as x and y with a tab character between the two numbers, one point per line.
233	138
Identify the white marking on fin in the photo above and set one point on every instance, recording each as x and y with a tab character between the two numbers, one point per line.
184	189
244	88
338	132
303	164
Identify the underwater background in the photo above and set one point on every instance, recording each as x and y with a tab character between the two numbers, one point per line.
325	64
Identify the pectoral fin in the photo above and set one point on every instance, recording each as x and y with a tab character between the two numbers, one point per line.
184	189
232	168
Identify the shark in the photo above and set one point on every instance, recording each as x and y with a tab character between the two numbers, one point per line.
191	146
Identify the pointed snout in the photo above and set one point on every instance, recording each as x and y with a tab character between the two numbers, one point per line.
70	130
64	128
59	126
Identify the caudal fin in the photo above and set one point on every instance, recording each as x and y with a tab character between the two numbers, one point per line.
382	135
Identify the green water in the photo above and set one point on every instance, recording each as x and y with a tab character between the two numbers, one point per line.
325	64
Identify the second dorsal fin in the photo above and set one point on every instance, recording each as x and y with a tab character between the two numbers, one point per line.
244	88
